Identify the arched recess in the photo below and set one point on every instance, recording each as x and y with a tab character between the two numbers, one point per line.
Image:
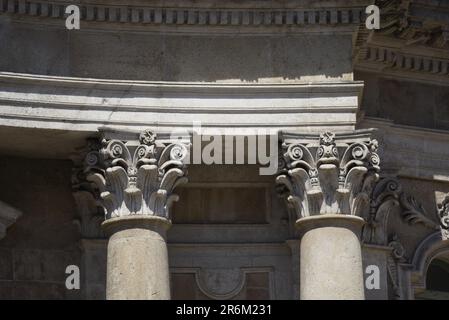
432	249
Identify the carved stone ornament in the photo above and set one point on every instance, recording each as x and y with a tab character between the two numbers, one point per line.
137	177
90	213
443	212
389	198
396	257
327	176
407	20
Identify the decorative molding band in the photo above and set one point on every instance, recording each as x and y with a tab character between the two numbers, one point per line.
190	16
85	104
392	58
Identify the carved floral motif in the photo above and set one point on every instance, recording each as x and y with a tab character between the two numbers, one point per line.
315	179
137	179
90	213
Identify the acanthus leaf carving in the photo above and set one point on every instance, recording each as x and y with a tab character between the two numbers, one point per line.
414	212
396	257
389	197
327	183
90	213
138	179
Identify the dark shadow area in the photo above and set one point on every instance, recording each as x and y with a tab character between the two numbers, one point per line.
405	102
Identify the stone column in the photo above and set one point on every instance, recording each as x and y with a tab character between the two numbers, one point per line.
331	258
136	180
330	195
137	262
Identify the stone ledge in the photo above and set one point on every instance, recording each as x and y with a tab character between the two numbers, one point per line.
78	104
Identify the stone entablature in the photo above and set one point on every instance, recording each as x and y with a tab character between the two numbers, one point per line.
385	57
84	105
409	151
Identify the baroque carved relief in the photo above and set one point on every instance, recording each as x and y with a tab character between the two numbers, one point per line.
404	20
389	198
90	213
328	176
137	177
443	213
194	15
398	256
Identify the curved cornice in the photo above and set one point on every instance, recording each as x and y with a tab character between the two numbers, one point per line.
198	13
86	104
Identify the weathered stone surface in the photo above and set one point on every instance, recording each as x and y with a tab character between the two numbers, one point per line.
331	260
281	65
137	258
328	176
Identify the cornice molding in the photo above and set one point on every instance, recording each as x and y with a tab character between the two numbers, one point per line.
302	13
383	59
86	104
413	41
411	152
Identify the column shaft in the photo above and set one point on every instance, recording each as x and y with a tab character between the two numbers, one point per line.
330	258
137	262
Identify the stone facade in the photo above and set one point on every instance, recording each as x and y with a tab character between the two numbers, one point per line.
98	139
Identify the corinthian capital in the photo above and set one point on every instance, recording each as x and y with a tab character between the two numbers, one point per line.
137	176
328	174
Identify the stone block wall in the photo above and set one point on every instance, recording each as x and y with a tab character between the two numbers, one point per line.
405	102
44	241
